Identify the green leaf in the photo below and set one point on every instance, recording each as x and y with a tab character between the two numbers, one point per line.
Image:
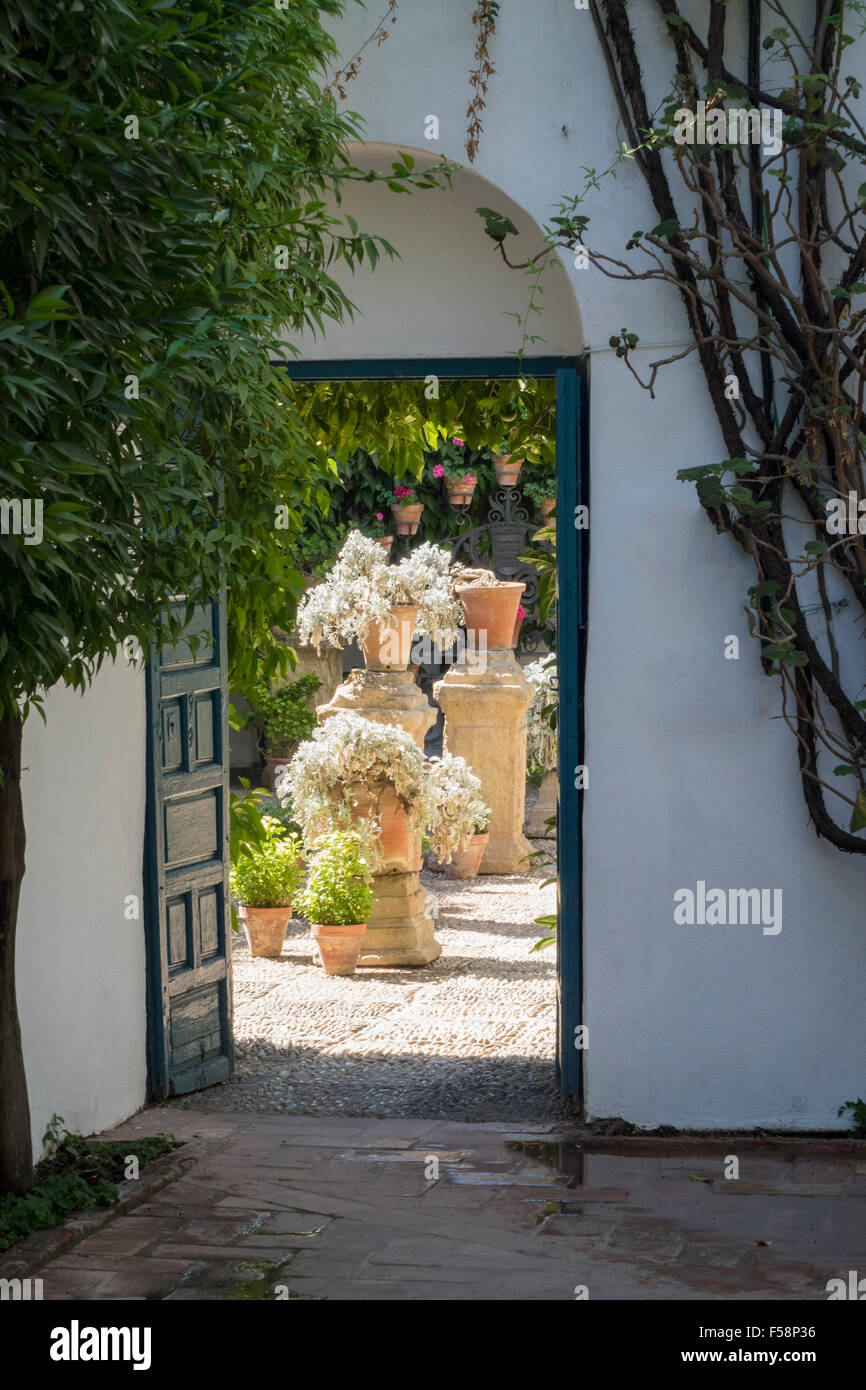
858	815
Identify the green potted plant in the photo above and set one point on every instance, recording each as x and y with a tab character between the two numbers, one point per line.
539	485
406	511
337	899
284	717
376	529
264	879
459	482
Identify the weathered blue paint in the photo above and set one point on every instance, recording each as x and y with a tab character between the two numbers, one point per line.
187	925
572	436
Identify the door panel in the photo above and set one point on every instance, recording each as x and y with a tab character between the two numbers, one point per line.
189	964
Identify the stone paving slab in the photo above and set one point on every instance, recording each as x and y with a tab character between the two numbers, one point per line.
338	1208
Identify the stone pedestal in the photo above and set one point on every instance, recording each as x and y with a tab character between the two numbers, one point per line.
401	923
386	697
544	808
485	723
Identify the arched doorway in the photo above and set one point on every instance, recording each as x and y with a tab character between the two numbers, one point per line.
444	309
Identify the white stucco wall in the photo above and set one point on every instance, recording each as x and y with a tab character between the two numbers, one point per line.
692	777
80	962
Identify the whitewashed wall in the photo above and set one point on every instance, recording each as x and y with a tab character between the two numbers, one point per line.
80	962
691	777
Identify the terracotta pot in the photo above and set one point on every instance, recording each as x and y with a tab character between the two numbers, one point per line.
388	648
339	947
272	767
465	862
385	541
265	928
547	506
515	636
507	471
399	844
407	517
460	494
491	609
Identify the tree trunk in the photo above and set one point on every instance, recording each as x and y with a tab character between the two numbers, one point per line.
16	1154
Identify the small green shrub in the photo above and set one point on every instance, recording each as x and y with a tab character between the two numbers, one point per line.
269	874
858	1115
339	888
538	482
77	1175
285	716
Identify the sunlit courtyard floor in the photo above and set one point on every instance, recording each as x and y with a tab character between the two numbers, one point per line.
471	1036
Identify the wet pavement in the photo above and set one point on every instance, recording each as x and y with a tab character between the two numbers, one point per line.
271	1206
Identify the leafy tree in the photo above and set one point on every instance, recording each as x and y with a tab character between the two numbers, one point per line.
165	176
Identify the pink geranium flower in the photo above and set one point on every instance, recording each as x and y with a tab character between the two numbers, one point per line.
470	478
438	470
458	442
521	612
401	492
380	516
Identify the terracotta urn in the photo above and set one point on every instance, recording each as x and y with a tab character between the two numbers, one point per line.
265	928
466	862
388	647
491	609
507	471
460	494
398	843
406	517
339	946
547	506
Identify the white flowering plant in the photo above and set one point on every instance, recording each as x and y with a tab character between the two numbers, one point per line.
541	715
351	596
455	808
322	778
422	579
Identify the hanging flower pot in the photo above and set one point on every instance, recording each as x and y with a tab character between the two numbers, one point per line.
338	947
407	517
507	471
387	647
547	506
385	541
265	928
491	609
460	493
518	623
465	863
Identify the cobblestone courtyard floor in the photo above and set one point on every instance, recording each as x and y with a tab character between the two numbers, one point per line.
469	1037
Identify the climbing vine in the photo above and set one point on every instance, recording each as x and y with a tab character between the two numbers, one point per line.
765	244
484	17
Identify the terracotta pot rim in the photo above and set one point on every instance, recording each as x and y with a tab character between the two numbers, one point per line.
338	928
244	910
406	507
483	588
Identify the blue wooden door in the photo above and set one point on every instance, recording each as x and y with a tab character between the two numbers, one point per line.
187	860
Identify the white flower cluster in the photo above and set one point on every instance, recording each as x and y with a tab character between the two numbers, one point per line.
540	737
362	587
323	778
455	807
423	578
349	750
340	609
